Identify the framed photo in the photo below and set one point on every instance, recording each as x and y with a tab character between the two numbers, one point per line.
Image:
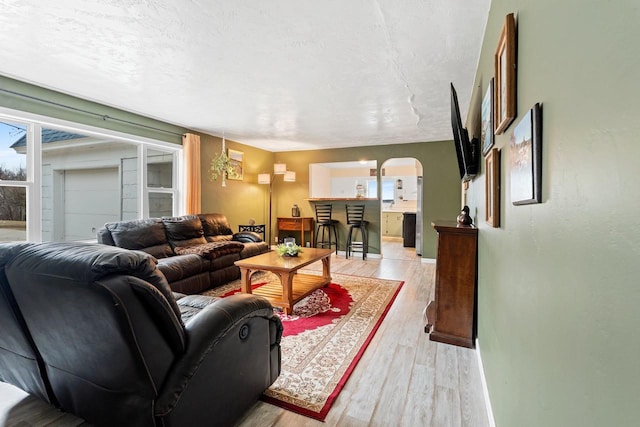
486	133
505	69
525	159
237	160
492	188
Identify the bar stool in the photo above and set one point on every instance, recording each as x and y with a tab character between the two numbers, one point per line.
324	221
356	222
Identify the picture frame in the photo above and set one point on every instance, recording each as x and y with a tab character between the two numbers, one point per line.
236	158
492	188
525	159
505	75
486	132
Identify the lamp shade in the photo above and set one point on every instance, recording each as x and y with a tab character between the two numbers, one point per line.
279	168
264	178
289	176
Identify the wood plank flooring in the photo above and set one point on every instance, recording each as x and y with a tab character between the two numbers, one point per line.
403	379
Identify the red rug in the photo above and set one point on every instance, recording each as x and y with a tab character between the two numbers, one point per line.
324	339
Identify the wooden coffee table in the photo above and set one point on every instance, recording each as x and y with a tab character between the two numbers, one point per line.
293	285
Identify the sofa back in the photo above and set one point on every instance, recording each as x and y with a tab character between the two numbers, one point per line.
147	235
184	231
215	227
105	323
160	236
20	361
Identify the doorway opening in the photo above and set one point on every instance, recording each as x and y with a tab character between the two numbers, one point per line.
401	208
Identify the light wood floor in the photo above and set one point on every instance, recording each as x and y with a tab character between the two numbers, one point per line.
403	379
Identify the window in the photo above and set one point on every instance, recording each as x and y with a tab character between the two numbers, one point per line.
73	181
13	183
160	183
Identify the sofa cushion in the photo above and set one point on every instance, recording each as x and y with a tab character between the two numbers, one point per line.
192	304
143	234
184	230
215	224
211	250
253	249
180	266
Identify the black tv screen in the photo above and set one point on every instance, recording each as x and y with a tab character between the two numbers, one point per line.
465	149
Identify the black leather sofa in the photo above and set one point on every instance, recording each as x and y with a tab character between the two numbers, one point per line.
96	331
194	252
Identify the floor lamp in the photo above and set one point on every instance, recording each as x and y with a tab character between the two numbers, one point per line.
267	178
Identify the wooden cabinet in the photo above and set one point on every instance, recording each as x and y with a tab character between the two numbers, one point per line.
392	224
301	224
451	314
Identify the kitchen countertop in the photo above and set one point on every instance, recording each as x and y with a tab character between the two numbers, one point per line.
399	210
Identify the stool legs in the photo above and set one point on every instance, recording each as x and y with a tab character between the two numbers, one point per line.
323	243
365	241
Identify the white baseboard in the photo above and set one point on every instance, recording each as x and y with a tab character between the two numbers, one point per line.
428	260
485	389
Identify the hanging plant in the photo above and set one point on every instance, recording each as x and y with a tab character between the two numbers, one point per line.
220	165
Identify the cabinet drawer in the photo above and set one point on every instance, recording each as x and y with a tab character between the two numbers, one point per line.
290	224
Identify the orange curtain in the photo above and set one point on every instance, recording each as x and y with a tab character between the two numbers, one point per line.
192	178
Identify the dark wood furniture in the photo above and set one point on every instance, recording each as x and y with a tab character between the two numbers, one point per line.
451	315
293	285
301	224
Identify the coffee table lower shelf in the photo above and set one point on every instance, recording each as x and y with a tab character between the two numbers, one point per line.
303	285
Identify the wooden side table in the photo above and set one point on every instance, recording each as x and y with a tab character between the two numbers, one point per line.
256	228
302	224
451	315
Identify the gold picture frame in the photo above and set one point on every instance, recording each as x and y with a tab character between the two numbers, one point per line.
236	158
492	187
505	75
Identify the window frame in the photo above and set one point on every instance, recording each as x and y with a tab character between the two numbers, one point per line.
35	123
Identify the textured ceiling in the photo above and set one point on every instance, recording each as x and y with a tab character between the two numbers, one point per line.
279	74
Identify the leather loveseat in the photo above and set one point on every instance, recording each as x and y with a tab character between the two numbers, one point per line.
194	252
96	331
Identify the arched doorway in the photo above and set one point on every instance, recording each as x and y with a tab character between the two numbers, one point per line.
401	208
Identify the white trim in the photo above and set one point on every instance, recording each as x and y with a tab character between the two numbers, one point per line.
485	389
428	260
34	190
74	127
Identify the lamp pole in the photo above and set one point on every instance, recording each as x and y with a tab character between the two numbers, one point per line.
270	202
289	176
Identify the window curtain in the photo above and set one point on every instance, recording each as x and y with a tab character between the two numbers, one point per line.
192	177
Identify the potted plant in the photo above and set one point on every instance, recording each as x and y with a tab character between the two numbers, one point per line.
288	249
220	165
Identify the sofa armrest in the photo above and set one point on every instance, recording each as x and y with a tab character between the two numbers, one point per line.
230	347
247	237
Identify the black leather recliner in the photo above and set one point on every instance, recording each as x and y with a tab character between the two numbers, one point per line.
106	332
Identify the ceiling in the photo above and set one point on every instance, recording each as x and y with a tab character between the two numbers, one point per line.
281	75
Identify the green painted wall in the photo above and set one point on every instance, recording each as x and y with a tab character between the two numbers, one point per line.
558	288
241	200
33	103
238	200
441	189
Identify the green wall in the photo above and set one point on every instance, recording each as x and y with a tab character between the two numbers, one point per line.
34	99
558	288
238	200
441	190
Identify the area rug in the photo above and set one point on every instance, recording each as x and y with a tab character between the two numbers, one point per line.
324	338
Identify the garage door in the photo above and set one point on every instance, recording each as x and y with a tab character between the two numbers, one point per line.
91	198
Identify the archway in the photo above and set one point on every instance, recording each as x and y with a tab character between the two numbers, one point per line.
401	207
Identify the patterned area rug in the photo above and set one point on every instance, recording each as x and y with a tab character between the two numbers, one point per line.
324	339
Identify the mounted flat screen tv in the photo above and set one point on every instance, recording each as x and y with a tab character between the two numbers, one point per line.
467	151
